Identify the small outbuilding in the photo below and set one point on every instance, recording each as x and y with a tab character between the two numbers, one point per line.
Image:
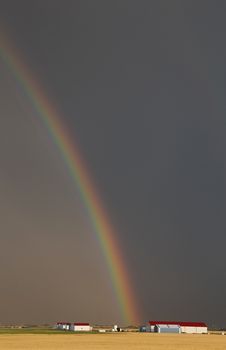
63	326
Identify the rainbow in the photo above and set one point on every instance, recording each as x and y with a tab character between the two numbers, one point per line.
72	157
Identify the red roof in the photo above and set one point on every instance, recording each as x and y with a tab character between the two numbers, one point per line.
81	324
179	323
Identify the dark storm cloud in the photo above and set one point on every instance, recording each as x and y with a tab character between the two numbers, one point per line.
142	87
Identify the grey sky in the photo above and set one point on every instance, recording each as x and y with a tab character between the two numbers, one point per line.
141	85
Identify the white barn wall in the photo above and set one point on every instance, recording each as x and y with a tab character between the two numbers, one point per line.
81	328
192	330
202	330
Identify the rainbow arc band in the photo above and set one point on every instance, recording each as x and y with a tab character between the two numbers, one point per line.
75	164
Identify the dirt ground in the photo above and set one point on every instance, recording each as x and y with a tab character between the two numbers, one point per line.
121	341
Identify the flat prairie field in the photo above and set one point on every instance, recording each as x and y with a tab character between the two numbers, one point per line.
120	341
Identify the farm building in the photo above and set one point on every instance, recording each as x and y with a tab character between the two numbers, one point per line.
80	327
185	327
144	329
63	325
167	328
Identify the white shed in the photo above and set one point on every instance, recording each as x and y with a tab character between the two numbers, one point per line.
63	326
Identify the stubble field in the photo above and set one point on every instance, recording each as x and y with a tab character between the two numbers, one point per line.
123	341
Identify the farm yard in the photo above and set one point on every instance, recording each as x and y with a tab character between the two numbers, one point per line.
120	341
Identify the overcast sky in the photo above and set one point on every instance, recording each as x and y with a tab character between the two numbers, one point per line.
141	85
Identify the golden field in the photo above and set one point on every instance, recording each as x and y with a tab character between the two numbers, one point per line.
121	341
